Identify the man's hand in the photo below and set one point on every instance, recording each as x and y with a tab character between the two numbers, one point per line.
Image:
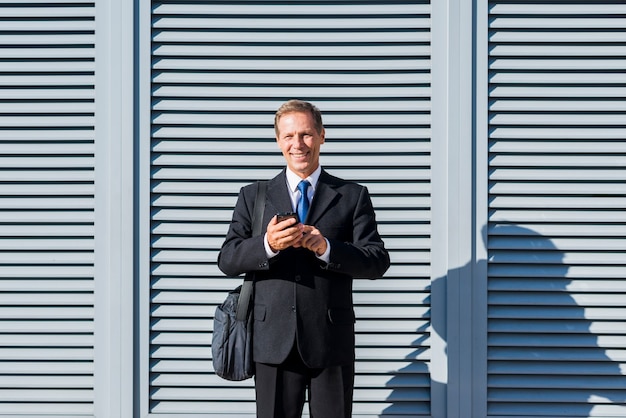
312	240
282	235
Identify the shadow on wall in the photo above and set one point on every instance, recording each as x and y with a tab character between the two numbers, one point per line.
548	354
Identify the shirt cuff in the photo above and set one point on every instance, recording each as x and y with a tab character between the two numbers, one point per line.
268	250
326	256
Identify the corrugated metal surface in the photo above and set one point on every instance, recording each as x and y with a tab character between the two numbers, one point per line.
46	208
220	70
557	220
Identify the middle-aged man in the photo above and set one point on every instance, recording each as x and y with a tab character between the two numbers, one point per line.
303	341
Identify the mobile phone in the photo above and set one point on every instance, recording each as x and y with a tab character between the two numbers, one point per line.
286	215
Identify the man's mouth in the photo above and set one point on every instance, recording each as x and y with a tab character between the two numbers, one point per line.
299	155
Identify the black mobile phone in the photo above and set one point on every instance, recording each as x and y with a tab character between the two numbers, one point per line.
286	215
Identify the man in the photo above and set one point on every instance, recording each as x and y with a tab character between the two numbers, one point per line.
303	338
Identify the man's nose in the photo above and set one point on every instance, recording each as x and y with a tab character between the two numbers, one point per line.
298	141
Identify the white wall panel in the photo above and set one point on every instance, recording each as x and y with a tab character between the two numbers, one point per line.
219	71
557	214
47	138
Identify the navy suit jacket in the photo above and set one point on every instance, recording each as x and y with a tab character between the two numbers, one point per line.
299	298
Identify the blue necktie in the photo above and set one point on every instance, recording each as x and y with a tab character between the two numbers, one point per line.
303	203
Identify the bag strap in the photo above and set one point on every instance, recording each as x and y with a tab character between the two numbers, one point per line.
257	217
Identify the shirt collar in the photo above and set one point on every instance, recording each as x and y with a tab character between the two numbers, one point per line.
293	179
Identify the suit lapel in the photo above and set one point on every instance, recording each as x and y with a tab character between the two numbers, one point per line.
278	199
324	196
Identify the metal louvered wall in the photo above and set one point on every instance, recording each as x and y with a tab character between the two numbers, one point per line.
557	219
47	208
219	72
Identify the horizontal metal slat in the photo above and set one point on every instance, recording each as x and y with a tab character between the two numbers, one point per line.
48	135
74	409
179	35
564	257
336	78
47	244
557	91
563	312
559	326
599	35
553	119
555	298
28	81
47	216
269	145
47	326
262	173
271	51
192	264
567	174
558	202
556	105
551	22
567	50
54	313
44	340
47	354
65	230
574	286
570	272
569	8
561	147
556	189
44	53
388	8
218	408
331	120
243	23
555	216
558	78
273	160
313	92
59	93
41	25
539	243
561	64
51	67
576	230
297	64
270	104
570	369
556	396
385	285
591	382
52	382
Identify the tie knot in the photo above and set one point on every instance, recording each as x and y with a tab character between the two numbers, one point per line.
303	186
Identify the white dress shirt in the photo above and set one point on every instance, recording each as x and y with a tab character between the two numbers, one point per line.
292	186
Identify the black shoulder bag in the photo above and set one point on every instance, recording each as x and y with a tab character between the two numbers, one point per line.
231	345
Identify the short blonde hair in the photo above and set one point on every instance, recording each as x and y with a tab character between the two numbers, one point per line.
295	105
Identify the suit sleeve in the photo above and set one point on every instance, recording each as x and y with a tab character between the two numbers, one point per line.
241	252
365	256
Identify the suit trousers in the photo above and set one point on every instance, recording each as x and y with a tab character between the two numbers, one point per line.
281	390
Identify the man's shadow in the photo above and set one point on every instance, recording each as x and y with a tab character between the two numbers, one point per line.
543	357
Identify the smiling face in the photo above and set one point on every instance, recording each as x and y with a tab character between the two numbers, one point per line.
299	142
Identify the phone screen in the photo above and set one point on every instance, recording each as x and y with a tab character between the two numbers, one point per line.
286	215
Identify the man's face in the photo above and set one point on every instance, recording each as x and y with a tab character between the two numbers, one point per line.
299	142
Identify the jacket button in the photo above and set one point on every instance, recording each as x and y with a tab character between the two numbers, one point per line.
293	308
298	277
